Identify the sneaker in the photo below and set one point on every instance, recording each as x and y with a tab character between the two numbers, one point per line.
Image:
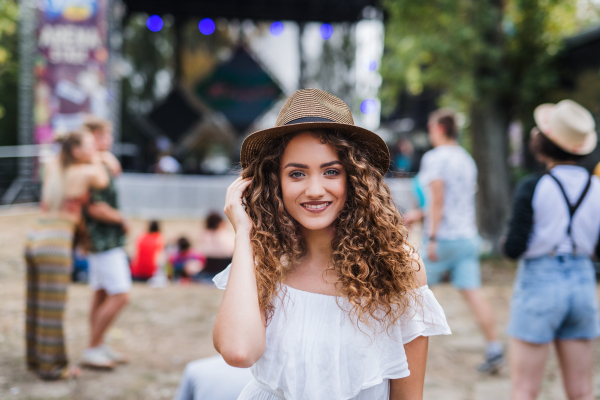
492	363
115	355
96	357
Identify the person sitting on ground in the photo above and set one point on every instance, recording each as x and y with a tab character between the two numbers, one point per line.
186	263
212	378
149	246
216	243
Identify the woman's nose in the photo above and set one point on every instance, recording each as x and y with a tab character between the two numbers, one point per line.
315	188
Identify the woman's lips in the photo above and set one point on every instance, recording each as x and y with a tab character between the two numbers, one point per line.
316	207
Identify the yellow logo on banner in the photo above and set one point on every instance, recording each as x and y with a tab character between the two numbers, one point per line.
78	12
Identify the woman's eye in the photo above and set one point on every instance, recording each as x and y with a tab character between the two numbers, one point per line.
331	172
296	174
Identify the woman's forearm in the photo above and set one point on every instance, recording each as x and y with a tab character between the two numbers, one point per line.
239	332
411	387
437	205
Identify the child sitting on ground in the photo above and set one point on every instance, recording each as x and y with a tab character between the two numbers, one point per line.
149	246
186	263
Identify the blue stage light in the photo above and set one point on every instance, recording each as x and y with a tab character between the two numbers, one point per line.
326	31
373	66
154	23
207	26
368	106
276	28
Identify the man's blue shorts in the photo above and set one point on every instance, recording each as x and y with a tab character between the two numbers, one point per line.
459	257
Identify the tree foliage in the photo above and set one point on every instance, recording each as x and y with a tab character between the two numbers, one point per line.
493	59
474	50
9	12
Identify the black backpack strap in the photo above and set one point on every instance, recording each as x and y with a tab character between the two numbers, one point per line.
572	207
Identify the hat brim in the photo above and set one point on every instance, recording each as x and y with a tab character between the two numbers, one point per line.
541	115
375	146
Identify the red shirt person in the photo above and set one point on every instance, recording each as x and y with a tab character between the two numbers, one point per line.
149	246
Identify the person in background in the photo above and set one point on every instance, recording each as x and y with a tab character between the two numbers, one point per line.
109	274
554	230
403	155
149	247
212	378
48	254
167	164
216	243
449	177
186	263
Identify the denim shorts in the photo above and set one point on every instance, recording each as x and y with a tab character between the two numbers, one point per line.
554	297
459	257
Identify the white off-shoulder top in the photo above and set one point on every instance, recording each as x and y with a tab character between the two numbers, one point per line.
315	351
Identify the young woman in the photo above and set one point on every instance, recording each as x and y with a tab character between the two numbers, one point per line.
554	230
66	185
324	299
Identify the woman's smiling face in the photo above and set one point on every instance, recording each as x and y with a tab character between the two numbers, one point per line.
313	182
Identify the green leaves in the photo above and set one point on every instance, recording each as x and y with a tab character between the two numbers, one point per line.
9	13
474	50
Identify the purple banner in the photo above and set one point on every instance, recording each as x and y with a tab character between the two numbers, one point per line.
71	65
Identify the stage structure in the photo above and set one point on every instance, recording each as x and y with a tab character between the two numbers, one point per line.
69	52
70	59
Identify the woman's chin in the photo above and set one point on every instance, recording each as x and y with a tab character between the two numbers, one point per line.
316	225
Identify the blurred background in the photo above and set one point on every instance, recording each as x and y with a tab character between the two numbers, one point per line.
184	82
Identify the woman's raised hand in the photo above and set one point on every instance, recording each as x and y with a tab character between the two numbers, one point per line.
234	210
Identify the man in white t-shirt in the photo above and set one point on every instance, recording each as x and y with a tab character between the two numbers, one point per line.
448	176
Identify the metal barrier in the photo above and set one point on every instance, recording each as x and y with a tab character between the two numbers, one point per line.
151	196
19	172
141	195
22	166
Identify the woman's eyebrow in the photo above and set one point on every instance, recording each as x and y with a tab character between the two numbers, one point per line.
330	163
304	166
296	165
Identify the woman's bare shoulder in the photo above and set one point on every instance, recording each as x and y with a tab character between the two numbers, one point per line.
418	266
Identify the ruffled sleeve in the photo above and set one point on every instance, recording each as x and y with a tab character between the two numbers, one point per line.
220	280
424	318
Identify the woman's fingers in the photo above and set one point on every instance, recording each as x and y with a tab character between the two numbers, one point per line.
241	186
233	184
235	192
232	188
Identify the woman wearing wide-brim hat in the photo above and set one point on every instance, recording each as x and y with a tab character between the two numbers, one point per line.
324	299
554	231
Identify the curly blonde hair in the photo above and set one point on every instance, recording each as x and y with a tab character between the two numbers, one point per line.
371	254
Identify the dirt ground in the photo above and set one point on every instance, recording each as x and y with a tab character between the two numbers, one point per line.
164	328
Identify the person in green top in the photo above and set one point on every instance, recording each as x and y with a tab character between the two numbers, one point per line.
109	272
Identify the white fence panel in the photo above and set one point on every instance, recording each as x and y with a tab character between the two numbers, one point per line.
151	196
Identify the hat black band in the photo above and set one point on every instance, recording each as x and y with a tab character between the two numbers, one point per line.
308	119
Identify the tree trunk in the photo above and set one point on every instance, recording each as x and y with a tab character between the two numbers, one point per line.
489	125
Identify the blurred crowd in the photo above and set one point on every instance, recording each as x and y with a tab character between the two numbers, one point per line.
81	236
553	232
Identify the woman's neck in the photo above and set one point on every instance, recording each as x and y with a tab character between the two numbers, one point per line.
553	163
318	247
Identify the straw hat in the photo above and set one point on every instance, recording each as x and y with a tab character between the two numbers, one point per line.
309	109
568	125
